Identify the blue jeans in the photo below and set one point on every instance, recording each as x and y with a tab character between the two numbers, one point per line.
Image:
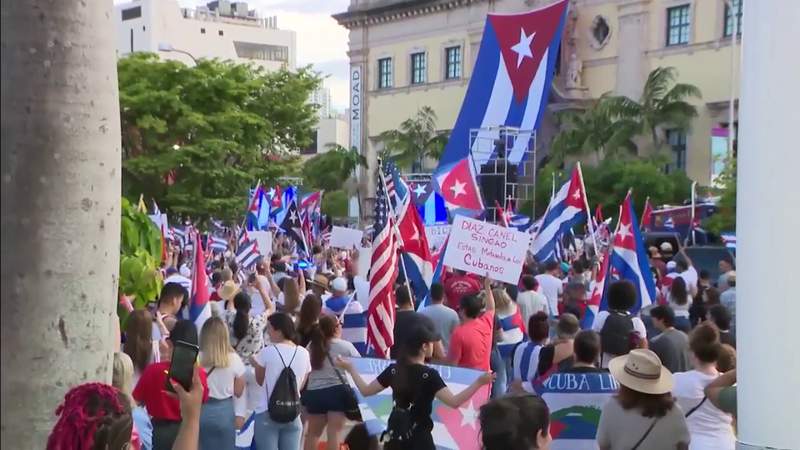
498	366
217	426
271	435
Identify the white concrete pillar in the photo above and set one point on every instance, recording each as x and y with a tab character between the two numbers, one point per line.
768	227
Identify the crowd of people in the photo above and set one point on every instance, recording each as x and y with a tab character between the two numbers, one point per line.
281	339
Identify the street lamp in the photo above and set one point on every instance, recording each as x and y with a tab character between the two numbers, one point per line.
167	47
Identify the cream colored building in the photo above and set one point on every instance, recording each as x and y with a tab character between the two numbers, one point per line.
408	54
221	29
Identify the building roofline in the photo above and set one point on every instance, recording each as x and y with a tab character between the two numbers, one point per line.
389	11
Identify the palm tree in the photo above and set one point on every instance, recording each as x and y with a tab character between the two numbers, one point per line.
60	128
663	103
415	140
349	157
593	130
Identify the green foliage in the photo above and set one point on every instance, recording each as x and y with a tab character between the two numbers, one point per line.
330	170
140	254
725	218
663	103
215	128
608	183
593	130
335	204
415	140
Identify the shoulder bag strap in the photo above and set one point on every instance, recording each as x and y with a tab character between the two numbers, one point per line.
646	433
338	374
691	411
208	374
281	356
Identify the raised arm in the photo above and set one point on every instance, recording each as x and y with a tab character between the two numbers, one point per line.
366	389
487	287
713	390
302	284
456	400
685	255
268	306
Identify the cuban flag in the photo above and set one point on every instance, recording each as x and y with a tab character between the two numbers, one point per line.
437	259
285	200
244	436
629	258
566	209
430	204
217	244
259	210
598	288
453	428
509	86
199	309
416	252
247	255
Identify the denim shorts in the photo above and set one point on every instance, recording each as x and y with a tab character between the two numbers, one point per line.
322	401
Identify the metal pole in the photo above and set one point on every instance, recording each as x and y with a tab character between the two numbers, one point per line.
393	218
691	223
588	212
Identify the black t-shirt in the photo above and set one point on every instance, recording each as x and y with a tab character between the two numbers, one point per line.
422	383
405	322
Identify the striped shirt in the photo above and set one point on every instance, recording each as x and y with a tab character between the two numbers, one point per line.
353	318
525	362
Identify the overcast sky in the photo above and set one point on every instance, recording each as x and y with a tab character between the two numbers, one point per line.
320	40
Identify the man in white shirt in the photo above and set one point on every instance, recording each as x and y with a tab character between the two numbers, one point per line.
551	286
529	301
174	277
687	271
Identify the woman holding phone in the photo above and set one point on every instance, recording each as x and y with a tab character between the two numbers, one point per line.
151	391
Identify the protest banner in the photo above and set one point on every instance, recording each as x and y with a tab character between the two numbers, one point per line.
347	238
263	240
453	428
437	234
576	401
483	248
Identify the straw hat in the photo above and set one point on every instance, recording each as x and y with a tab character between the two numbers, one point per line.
228	290
641	370
320	280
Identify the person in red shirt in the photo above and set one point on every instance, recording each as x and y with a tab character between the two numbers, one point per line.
459	284
162	406
471	342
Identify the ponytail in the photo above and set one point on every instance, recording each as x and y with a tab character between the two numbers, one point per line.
241	322
321	334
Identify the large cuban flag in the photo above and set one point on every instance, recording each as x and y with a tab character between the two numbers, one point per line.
457	428
509	86
629	258
566	209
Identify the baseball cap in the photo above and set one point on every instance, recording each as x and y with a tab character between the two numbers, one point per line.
339	284
666	247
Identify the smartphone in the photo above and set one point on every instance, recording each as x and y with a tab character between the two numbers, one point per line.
181	368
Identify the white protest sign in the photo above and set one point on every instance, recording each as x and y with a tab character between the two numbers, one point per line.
348	238
263	240
481	247
364	261
437	234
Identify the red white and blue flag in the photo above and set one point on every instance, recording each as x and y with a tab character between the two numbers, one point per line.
598	290
199	309
566	209
509	86
629	258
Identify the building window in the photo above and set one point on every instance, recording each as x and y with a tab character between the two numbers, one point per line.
220	33
737	6
676	139
452	63
384	73
264	52
132	13
202	31
419	68
678	25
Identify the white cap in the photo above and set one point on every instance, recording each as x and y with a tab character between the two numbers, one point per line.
339	285
666	247
671	265
185	271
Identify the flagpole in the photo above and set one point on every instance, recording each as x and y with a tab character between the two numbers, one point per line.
691	223
641	222
588	212
393	218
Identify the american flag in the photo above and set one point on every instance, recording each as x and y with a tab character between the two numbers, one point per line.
383	273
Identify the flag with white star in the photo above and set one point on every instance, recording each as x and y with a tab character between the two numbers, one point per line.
293	226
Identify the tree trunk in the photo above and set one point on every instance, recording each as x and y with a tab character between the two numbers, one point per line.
60	207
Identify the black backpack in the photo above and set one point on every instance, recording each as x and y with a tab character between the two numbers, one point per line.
284	401
615	336
401	424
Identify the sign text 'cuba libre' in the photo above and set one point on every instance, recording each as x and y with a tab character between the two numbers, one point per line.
483	248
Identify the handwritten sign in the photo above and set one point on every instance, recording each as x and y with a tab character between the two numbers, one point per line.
263	240
437	234
348	238
481	247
